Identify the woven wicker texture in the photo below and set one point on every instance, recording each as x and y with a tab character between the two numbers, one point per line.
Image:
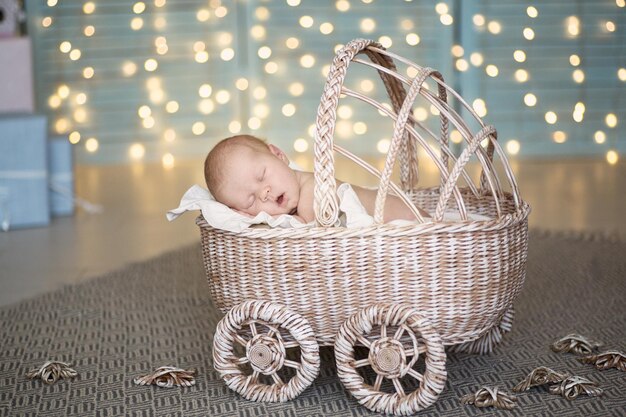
116	328
461	277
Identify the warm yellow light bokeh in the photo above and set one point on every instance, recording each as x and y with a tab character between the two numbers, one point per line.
288	109
91	145
88	72
169	135
242	84
306	21
74	137
89	7
198	128
479	20
168	161
611	120
559	136
612	157
151	65
412	39
551	117
492	70
530	99
494	27
599	137
513	147
300	145
136	151
521	75
529	34
234	127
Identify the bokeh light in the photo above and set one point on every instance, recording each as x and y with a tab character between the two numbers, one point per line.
261	80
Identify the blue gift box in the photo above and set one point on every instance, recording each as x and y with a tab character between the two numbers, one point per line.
61	176
23	171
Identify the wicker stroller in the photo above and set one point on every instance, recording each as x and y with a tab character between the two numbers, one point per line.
395	295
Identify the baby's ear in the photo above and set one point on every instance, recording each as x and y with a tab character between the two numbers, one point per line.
277	152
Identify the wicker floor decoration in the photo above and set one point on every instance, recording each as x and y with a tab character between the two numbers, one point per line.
52	371
573	386
168	377
575	343
606	360
490	397
540	376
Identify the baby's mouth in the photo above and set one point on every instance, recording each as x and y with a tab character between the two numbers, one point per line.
280	199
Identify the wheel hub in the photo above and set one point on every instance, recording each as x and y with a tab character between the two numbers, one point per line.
387	357
266	354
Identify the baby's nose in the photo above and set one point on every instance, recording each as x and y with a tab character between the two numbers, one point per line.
265	192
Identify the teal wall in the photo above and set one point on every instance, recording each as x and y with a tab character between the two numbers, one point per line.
110	112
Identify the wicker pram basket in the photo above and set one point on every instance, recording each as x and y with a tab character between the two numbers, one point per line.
395	294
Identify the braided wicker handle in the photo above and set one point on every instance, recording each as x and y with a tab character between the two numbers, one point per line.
405	138
325	200
400	136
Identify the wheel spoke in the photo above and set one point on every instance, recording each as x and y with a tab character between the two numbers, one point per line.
239	339
361	363
412	352
378	383
277	379
289	345
398	386
383	330
254	377
399	332
253	328
292	364
272	331
363	340
242	360
416	375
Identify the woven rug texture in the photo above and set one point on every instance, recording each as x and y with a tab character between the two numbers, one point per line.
125	324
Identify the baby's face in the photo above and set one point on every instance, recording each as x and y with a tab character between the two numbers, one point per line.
257	181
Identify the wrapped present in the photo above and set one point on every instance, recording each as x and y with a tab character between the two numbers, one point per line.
61	176
16	76
23	171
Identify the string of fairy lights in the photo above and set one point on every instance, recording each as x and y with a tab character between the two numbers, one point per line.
69	119
572	26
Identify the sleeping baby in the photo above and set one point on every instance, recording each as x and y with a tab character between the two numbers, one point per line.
251	176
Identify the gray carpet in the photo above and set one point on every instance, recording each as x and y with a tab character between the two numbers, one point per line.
156	313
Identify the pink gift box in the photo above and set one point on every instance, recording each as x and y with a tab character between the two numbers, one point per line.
16	76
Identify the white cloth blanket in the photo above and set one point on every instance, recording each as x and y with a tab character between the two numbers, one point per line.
222	217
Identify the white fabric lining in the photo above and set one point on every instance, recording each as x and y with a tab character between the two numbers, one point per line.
222	217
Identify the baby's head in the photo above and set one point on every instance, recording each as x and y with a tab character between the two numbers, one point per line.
250	176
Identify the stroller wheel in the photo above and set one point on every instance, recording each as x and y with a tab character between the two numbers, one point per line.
389	378
265	352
